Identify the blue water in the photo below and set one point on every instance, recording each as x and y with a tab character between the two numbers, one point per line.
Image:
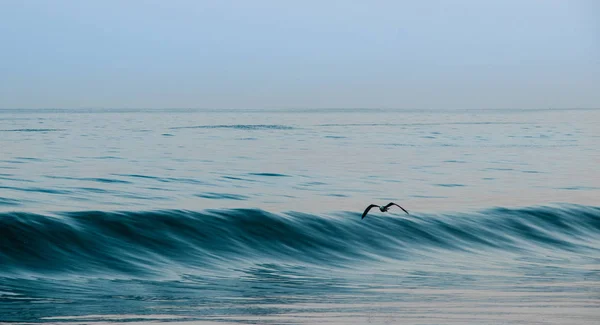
253	217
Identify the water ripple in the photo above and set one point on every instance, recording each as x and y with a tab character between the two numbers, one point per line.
237	127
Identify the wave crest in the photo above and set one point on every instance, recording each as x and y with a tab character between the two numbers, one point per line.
138	243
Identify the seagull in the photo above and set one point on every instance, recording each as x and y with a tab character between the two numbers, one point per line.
382	209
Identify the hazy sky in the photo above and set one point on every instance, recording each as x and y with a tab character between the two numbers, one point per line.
299	54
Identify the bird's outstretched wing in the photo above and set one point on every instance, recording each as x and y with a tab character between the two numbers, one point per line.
392	203
367	210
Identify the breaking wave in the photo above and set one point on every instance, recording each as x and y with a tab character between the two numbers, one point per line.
144	243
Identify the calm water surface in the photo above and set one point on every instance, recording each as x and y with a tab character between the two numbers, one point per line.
253	217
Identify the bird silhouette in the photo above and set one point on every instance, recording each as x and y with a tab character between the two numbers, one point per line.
381	208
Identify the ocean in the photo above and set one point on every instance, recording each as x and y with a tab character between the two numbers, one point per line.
254	216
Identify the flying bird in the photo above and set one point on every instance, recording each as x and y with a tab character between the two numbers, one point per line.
381	208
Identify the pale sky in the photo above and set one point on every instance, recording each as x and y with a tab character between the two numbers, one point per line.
300	54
